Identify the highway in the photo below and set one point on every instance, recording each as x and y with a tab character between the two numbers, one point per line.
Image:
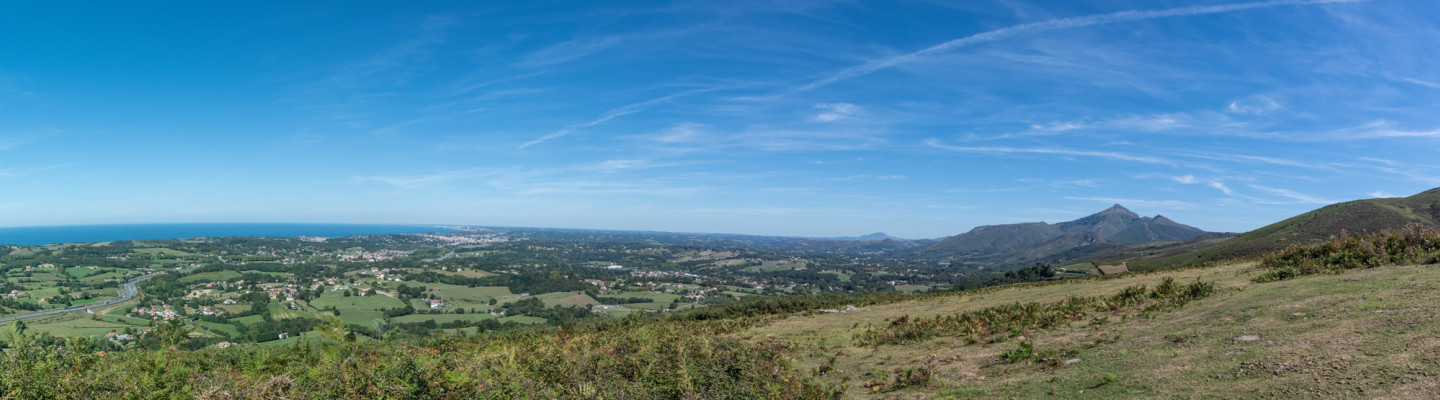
130	293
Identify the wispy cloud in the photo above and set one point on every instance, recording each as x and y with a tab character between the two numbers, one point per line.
461	88
1161	204
867	176
831	112
395	64
1045	26
589	187
1186	179
1254	105
760	211
1298	197
8	142
609	115
410	182
1252	159
1221	187
570	50
611	166
1382	129
1425	83
686	138
1049	151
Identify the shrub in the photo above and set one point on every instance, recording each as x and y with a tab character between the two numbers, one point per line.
1414	244
1023	352
1011	320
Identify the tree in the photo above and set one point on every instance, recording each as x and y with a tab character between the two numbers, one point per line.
172	333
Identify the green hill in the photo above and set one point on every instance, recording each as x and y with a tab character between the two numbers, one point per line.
1355	217
1364	334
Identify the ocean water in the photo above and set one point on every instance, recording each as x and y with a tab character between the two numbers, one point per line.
42	235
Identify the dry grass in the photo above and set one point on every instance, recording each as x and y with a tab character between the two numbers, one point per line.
1367	333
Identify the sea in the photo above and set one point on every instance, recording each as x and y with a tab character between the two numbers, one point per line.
43	235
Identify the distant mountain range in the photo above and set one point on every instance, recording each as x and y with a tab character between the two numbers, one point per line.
1025	243
877	236
1113	235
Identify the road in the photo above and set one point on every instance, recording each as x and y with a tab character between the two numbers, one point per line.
130	293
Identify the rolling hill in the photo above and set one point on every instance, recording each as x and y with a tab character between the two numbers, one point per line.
1354	217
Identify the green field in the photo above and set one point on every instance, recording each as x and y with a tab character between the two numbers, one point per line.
81	272
101	276
465	294
42	277
770	266
440	318
210	277
78	327
359	310
566	299
659	300
279	274
522	319
227	328
844	276
165	252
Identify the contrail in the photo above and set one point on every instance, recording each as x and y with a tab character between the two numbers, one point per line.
612	114
1050	25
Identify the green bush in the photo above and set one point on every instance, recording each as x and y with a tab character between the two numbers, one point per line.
1413	245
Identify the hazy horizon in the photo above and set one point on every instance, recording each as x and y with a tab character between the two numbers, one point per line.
816	119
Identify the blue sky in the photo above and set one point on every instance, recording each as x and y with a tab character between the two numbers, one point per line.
916	118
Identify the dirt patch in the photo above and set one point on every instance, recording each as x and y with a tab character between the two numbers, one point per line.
1248	338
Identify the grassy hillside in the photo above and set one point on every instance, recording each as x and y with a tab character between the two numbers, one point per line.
1362	334
1355	217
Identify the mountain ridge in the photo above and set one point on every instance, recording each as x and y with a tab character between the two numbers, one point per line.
1010	245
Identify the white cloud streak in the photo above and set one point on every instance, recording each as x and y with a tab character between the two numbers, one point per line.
1045	26
1298	197
609	115
1050	151
1221	187
831	112
410	182
1161	204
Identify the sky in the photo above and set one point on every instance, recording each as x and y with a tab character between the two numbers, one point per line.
921	119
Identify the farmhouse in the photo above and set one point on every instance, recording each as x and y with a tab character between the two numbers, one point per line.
1113	269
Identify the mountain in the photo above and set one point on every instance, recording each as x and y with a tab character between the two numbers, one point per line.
1354	217
1020	244
877	236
